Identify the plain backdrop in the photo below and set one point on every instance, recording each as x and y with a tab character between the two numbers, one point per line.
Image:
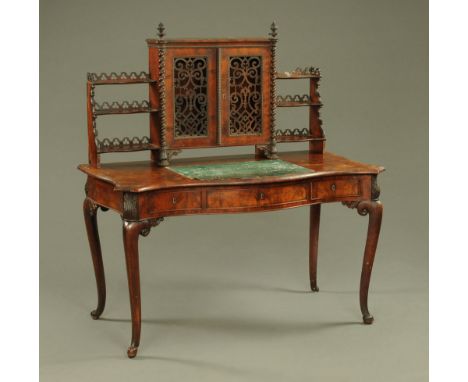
225	298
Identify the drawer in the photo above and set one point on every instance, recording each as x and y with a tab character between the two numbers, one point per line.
253	197
335	188
234	198
176	200
274	196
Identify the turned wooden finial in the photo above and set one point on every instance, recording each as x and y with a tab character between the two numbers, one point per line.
161	30
273	29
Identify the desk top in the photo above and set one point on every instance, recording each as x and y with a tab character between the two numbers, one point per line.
146	176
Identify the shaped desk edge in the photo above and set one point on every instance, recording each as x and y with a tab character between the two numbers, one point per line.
142	190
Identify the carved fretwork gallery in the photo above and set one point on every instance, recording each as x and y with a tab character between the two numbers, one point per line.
214	93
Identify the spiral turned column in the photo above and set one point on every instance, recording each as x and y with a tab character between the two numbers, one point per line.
93	103
163	158
272	151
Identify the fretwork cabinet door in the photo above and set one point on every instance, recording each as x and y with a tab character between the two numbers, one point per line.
191	104
245	95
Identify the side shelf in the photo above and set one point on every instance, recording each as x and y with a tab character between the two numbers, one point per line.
314	133
299	73
124	107
114	78
296	100
296	135
126	144
114	145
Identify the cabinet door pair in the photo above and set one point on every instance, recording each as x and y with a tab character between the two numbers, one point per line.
218	96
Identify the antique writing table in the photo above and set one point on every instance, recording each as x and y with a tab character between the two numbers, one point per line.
217	93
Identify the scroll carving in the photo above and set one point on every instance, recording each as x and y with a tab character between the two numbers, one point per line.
190	97
245	90
362	206
150	223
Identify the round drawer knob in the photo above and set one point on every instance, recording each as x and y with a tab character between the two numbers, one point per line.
261	196
333	187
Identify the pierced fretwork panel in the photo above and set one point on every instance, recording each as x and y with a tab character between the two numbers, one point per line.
245	95
190	97
113	145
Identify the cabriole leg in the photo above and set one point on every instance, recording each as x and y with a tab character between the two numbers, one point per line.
131	232
374	209
313	245
90	216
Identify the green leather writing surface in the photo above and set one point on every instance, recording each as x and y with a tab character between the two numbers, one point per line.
240	170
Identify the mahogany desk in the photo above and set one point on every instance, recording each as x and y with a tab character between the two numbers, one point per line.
146	192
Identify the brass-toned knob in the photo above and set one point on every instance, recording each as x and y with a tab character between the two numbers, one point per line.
174	200
261	196
333	187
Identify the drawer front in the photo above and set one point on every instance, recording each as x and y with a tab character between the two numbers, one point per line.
335	188
235	198
176	200
283	195
254	197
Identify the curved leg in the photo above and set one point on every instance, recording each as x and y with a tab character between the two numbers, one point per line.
131	231
375	210
313	245
90	217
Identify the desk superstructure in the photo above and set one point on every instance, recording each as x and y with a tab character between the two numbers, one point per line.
209	93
